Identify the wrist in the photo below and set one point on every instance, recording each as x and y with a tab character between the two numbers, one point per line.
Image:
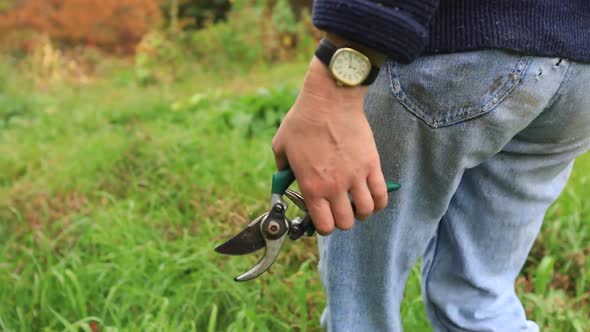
320	80
320	98
377	58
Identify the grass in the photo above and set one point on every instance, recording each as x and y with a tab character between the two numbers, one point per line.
112	197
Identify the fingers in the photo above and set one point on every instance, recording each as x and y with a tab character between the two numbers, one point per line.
329	214
321	215
363	201
337	212
378	189
342	211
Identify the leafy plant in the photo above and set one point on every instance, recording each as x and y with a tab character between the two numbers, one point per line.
260	111
158	58
251	114
236	41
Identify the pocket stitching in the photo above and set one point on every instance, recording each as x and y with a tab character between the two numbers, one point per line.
516	76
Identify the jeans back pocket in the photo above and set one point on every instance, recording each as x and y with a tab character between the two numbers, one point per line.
447	89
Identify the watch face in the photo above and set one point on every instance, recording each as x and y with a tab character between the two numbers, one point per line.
349	66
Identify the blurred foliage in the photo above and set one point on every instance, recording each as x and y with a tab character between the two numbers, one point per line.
250	115
255	32
283	17
226	43
11	105
158	58
6	4
115	25
195	14
49	66
262	111
64	40
118	25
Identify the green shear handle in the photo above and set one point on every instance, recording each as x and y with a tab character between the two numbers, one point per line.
281	180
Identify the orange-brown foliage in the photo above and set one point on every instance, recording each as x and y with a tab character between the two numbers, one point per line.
114	25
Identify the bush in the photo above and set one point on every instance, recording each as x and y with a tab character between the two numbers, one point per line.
251	114
158	58
193	14
255	33
114	25
237	40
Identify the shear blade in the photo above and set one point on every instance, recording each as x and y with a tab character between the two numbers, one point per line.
273	248
247	241
296	198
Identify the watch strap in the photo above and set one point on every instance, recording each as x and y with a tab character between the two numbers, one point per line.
325	51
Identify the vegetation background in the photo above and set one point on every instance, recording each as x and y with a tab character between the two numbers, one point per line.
135	136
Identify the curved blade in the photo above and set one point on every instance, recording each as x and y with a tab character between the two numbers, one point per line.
270	255
296	198
247	241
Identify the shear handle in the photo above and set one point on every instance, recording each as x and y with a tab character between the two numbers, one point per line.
281	180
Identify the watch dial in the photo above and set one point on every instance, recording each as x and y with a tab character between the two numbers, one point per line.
350	67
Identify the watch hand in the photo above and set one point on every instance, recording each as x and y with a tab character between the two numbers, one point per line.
350	61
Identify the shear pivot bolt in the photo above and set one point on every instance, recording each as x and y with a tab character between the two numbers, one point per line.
273	227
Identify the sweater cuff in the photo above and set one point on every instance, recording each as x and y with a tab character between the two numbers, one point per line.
391	30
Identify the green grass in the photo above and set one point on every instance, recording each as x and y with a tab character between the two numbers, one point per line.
112	197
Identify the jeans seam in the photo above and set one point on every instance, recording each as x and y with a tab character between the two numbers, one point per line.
428	274
565	83
442	323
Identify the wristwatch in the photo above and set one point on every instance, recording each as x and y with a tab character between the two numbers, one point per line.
348	66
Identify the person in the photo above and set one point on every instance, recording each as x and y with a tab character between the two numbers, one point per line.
479	109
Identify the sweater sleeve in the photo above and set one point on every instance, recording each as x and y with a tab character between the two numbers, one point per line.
398	28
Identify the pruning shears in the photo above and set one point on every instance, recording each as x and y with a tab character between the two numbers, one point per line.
270	229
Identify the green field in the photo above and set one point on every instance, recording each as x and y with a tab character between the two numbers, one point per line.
113	196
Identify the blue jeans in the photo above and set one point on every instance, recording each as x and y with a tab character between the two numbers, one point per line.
482	142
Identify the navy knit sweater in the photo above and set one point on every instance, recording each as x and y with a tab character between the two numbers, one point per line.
404	29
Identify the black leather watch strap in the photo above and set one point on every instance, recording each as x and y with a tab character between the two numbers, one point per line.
325	51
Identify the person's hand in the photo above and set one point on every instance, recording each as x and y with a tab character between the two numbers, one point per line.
328	143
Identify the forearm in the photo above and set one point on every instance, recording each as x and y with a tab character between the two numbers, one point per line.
397	28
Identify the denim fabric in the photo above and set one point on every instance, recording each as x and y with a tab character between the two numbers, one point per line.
482	142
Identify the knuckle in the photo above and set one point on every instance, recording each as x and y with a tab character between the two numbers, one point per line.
366	205
345	227
275	146
309	186
324	228
323	186
345	224
374	164
314	205
380	201
380	196
363	214
335	185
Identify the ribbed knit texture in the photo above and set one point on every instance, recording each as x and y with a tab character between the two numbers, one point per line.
405	29
399	28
